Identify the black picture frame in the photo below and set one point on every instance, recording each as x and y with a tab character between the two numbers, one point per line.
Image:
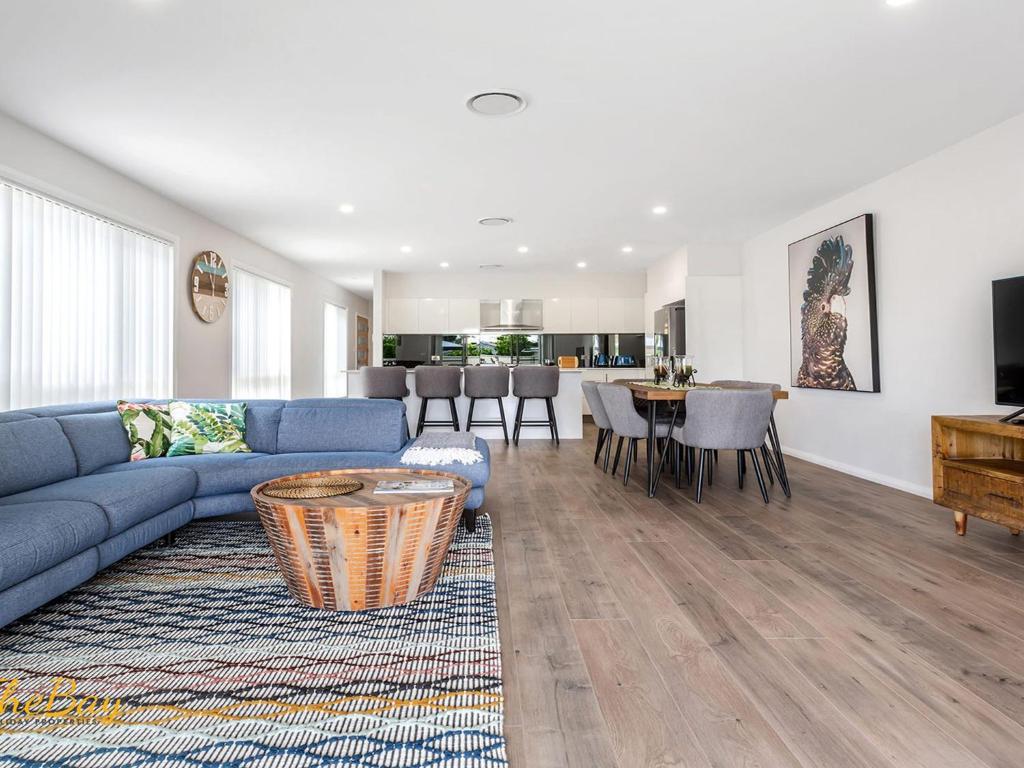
825	358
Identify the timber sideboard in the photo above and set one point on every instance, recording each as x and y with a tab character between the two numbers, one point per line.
978	469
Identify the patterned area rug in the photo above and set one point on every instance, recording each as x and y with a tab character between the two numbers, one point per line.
195	655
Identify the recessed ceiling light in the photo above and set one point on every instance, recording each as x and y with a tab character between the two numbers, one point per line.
406	249
659	210
444	265
523	249
627	249
494	221
581	264
347	208
496	103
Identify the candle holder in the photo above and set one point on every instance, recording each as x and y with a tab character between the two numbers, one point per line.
684	371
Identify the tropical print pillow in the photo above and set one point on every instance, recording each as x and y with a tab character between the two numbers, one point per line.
207	428
149	428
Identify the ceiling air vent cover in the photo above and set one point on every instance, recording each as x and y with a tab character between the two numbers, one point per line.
496	103
494	221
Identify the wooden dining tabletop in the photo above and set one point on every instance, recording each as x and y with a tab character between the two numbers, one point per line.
649	392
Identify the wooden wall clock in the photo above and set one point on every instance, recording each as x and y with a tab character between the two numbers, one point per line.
209	286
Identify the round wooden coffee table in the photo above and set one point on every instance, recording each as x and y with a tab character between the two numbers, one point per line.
361	550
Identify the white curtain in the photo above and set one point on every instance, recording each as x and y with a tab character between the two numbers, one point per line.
261	356
335	350
85	306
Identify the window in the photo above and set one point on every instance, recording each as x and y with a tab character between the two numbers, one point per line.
261	356
85	305
335	351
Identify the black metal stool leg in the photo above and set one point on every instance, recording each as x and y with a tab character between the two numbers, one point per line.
424	401
469	416
455	413
504	426
554	420
519	421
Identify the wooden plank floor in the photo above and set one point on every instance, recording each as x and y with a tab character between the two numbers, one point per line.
845	627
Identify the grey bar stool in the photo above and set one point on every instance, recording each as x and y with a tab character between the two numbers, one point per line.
437	383
385	382
627	424
604	425
535	382
728	420
486	383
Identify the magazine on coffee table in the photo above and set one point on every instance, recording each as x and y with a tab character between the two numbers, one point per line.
414	486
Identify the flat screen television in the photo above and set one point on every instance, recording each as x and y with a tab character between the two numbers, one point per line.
1008	331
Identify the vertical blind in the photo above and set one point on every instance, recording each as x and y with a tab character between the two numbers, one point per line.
261	357
85	305
335	350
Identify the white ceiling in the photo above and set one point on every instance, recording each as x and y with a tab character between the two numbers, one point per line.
736	114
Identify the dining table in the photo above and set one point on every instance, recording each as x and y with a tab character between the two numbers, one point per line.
654	393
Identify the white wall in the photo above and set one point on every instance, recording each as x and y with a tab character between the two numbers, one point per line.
202	351
665	284
944	229
505	284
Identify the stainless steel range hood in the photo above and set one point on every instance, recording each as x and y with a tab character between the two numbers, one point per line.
505	315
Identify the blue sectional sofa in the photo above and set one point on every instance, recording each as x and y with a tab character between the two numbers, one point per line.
71	503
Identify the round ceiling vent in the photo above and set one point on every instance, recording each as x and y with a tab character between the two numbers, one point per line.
496	103
494	221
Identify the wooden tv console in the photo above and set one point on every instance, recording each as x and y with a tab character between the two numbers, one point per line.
978	469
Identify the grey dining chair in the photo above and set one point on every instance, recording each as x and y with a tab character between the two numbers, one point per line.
486	382
385	382
438	383
604	426
771	451
726	419
626	423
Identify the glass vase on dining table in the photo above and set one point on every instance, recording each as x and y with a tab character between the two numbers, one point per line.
683	370
661	369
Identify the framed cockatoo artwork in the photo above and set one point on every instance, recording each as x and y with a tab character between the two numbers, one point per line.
833	324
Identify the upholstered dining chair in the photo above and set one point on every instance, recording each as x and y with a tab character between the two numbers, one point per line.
626	423
767	451
726	419
604	426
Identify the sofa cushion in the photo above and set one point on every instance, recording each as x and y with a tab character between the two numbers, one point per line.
43	587
269	467
262	419
148	426
6	416
146	532
198	428
127	498
351	425
216	473
477	474
38	536
34	452
97	439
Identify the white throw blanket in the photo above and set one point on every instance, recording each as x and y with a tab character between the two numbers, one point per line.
433	449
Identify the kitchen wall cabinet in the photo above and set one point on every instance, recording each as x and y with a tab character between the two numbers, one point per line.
620	315
433	316
584	316
557	316
463	316
402	316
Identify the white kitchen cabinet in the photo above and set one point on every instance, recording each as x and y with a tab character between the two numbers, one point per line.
633	316
584	316
557	316
463	316
402	316
610	315
433	315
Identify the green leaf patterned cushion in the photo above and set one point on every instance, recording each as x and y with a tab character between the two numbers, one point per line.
149	428
207	428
